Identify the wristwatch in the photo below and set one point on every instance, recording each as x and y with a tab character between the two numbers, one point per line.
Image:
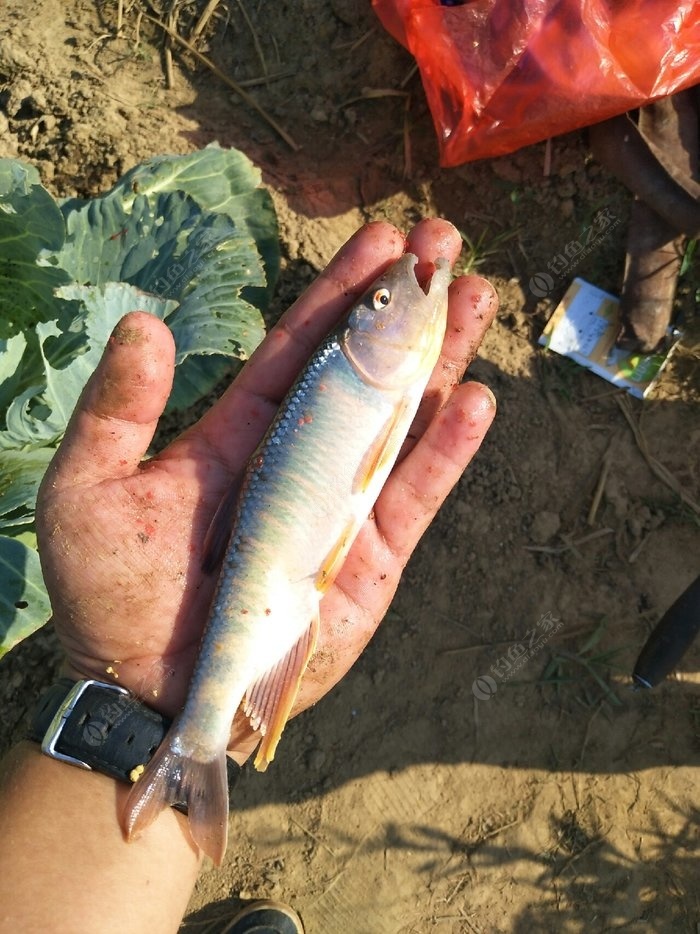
100	726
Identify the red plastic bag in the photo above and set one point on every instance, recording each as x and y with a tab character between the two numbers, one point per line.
501	74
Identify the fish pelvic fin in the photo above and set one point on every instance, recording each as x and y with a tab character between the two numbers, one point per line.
174	778
269	700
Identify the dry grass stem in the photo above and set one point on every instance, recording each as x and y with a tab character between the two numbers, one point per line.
407	151
369	94
354	43
234	85
547	168
411	72
206	15
569	546
168	65
137	29
313	837
615	391
265	79
256	38
600	486
656	467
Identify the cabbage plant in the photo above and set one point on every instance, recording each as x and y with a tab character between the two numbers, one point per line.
192	239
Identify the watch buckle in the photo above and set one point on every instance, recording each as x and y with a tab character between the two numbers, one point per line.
53	734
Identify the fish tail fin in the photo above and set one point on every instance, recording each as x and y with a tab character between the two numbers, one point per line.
172	777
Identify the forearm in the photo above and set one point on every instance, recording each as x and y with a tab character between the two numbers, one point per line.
65	865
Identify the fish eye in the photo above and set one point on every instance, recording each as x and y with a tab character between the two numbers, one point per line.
381	299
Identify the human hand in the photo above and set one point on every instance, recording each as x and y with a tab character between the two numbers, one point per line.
121	539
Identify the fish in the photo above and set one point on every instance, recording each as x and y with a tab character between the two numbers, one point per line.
306	491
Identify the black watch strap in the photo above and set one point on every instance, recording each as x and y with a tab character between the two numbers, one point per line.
97	725
101	726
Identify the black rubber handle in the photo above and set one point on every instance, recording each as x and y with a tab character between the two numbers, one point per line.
670	639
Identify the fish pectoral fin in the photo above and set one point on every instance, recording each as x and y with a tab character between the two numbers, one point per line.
219	531
269	700
382	450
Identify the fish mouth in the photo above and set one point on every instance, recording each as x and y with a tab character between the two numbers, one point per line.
440	279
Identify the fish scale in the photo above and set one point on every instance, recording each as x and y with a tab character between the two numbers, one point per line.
306	491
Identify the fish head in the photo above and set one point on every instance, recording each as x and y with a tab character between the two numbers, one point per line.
393	336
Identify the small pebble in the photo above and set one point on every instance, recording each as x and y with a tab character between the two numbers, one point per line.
315	759
544	526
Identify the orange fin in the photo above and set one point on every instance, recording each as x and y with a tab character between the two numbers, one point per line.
382	450
219	532
335	557
269	701
173	778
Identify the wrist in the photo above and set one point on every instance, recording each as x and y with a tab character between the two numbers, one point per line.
61	834
99	726
156	690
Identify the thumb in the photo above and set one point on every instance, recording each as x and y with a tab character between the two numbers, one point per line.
116	415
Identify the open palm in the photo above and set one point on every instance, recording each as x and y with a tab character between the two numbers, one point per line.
122	539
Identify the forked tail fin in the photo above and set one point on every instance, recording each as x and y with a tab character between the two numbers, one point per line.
173	778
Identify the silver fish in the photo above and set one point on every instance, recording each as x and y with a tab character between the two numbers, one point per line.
307	489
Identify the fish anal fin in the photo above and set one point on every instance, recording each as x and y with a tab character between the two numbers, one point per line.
384	449
219	531
269	701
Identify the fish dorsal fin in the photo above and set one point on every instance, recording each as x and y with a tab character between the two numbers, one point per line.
269	700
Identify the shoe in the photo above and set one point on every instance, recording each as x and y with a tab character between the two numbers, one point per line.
265	917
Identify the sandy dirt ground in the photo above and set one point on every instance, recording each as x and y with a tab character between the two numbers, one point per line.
561	801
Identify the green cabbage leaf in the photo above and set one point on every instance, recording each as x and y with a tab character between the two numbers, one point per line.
191	239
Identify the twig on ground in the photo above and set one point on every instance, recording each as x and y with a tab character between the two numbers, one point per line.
313	837
656	467
206	15
569	546
234	85
600	486
256	38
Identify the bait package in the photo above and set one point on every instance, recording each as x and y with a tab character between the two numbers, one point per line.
500	75
583	328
